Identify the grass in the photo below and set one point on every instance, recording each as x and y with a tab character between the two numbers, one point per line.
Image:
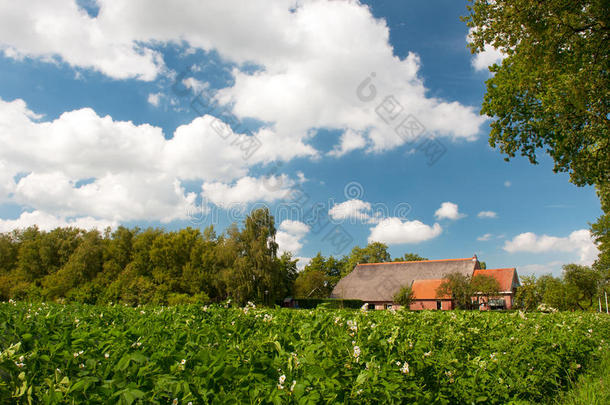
592	388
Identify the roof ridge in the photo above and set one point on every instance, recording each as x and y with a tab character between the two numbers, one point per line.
419	261
502	268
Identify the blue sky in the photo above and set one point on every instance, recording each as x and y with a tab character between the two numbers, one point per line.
103	122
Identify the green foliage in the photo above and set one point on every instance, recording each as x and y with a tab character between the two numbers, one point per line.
310	303
410	257
552	90
459	287
319	277
592	388
312	283
485	286
77	354
137	266
375	252
582	285
462	289
528	296
600	231
577	289
404	296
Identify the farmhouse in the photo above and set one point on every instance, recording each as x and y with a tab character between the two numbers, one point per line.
377	283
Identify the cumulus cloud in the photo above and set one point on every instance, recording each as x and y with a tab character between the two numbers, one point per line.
579	241
394	231
538	269
487	57
294	227
296	47
154	99
290	235
351	209
484	238
487	214
247	189
349	141
47	222
59	30
81	164
197	86
448	210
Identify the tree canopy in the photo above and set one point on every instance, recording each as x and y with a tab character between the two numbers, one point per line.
137	266
578	288
552	89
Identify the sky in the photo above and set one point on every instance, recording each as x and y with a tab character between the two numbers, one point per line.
351	121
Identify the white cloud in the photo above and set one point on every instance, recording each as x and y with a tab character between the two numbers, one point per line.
300	87
247	189
295	45
351	209
81	164
579	241
277	147
294	227
303	261
49	222
301	177
448	210
485	237
394	231
58	30
487	57
553	267
487	214
154	99
289	237
349	141
507	183
7	183
197	86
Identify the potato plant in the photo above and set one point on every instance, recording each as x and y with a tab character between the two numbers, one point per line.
192	354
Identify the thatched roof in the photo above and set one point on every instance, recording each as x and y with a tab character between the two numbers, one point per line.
373	282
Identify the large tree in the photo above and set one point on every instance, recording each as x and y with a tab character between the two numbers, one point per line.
552	89
459	287
485	286
374	252
410	257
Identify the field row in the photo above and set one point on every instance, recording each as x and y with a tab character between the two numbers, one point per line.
195	354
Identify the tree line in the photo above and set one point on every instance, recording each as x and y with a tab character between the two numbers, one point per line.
138	266
578	288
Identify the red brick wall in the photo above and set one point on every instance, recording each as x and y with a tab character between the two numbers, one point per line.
508	299
430	304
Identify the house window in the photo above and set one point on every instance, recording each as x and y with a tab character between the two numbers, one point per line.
371	307
388	306
439	305
497	303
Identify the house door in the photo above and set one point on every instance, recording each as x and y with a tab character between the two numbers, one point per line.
439	305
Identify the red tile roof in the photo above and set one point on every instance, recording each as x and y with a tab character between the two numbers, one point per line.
426	289
505	277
